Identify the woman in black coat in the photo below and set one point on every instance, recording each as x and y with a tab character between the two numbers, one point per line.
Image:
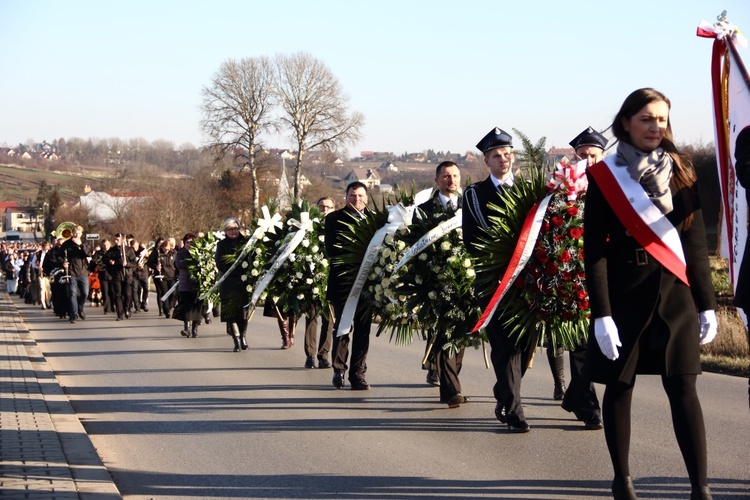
640	300
232	290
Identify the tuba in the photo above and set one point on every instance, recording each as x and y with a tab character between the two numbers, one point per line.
65	230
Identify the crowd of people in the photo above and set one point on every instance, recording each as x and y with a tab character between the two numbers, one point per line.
651	297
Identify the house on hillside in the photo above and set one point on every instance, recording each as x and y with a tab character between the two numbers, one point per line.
22	219
105	207
370	178
388	166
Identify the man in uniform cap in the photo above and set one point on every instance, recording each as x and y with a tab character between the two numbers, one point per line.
589	145
580	396
508	359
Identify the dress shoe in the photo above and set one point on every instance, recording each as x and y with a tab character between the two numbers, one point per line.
184	333
500	413
432	378
119	318
701	493
338	380
622	488
127	315
144	309
72	321
457	400
359	385
593	423
310	362
519	427
166	315
323	363
82	315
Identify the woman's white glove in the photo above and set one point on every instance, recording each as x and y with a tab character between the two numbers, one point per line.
709	326
607	337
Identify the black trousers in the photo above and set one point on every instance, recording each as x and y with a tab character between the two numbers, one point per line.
360	341
122	296
162	287
580	397
509	362
107	295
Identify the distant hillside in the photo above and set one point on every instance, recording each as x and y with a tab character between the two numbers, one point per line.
21	184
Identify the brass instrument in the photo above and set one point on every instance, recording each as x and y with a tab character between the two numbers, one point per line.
65	230
146	253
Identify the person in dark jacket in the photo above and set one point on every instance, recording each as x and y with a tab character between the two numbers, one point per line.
162	264
121	262
232	291
76	264
649	282
189	309
443	369
337	292
509	360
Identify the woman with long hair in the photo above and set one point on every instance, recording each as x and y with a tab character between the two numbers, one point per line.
649	282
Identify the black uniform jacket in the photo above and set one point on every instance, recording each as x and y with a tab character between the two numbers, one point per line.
656	313
476	211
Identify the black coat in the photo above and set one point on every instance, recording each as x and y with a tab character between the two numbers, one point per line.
232	291
656	313
742	155
337	289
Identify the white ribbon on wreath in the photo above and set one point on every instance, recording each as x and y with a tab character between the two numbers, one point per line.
430	237
304	225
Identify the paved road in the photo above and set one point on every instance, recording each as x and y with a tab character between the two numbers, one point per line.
187	418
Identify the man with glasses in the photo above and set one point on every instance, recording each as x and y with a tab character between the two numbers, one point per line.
313	347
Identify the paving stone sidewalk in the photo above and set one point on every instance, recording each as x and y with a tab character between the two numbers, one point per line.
45	452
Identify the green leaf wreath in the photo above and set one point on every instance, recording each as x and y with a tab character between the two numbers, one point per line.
436	288
202	266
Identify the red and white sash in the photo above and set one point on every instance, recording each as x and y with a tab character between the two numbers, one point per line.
640	216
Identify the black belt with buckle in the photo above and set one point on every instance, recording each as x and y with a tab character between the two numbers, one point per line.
641	256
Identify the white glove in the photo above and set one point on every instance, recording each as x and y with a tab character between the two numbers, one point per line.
709	326
605	331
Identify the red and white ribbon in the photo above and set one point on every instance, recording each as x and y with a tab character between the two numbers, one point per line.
521	255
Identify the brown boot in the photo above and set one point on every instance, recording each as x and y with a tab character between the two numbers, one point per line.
286	341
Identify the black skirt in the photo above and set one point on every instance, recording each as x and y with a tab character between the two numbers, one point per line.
189	308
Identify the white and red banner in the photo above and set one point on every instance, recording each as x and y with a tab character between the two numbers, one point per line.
731	96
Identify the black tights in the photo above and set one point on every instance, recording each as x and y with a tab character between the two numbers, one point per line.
687	419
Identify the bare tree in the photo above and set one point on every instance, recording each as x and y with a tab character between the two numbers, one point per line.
314	107
237	109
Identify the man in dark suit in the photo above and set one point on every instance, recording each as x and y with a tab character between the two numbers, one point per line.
443	370
337	293
508	359
121	261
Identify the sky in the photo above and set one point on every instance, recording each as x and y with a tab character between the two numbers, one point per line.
426	74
